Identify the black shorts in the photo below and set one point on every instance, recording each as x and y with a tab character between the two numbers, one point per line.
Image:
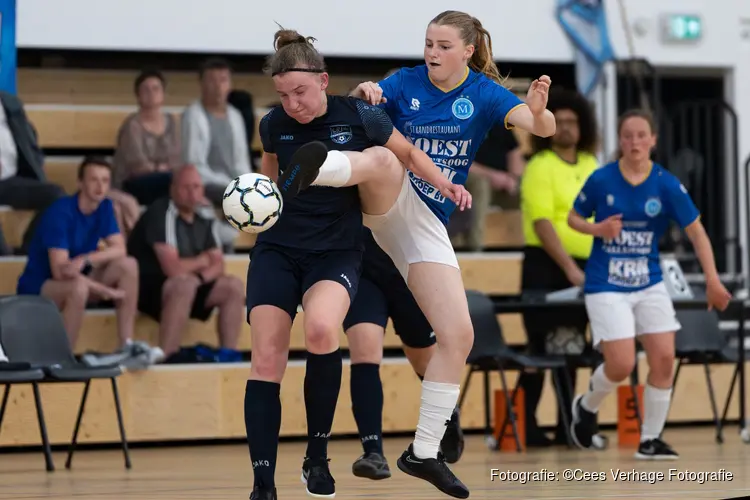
149	298
383	293
280	276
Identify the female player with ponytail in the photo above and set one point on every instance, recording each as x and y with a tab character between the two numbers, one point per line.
445	108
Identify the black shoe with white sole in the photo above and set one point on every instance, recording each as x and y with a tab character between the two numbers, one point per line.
434	471
584	428
317	476
452	444
655	449
371	466
303	169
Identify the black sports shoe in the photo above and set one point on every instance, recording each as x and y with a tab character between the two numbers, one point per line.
655	449
452	444
585	429
371	466
302	169
263	493
317	476
434	471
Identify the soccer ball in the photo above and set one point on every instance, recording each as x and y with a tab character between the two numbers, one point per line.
252	203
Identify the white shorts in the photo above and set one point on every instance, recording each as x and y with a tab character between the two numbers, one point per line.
617	315
409	232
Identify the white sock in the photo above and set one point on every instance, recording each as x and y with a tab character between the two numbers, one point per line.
335	171
655	408
599	388
438	403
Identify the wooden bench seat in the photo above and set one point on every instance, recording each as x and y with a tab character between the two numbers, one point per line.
193	402
493	273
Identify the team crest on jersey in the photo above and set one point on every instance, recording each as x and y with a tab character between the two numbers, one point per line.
463	108
341	134
653	207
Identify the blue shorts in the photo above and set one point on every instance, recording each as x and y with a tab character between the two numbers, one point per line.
280	276
383	293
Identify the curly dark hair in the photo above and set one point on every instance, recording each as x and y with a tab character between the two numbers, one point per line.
566	99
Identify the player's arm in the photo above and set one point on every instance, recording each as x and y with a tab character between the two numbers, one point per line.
541	124
380	130
584	208
269	162
269	166
681	208
531	116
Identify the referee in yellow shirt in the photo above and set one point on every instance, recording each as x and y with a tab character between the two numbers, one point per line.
554	254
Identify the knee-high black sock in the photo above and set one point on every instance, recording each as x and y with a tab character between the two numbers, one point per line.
263	423
367	405
322	386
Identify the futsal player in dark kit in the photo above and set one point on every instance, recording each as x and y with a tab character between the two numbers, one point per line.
311	256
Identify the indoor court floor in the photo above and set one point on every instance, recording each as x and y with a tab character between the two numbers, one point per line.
223	472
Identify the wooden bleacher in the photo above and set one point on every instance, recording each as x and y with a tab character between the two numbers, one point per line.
82	109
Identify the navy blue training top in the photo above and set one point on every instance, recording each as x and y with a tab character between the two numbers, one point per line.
323	218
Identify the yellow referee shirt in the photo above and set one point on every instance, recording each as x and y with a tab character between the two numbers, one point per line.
549	187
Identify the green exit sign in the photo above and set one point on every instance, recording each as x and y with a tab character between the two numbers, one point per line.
682	28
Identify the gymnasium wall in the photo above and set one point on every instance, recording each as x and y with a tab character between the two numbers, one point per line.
523	31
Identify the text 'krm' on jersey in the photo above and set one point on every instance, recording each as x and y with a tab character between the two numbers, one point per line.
447	125
630	262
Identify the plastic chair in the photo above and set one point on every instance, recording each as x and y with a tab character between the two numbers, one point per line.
491	353
33	332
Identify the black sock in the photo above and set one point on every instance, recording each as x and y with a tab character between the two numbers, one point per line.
322	386
367	405
263	423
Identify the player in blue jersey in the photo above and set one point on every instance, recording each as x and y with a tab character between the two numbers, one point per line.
445	107
632	201
311	256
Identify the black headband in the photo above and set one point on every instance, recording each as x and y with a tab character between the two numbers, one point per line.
305	70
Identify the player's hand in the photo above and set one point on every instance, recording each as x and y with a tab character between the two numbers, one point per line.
370	92
537	95
717	295
610	227
456	193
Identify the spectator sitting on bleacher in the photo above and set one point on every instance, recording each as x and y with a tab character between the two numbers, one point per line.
148	143
182	266
64	261
23	184
214	138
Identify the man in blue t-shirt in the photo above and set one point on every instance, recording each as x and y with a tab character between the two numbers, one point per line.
65	262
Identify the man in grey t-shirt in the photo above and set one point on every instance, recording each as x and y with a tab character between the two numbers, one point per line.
214	138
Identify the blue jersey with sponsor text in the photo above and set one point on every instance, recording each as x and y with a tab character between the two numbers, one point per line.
630	262
447	125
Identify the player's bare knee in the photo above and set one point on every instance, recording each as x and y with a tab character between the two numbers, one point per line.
457	340
619	368
268	363
661	367
321	335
